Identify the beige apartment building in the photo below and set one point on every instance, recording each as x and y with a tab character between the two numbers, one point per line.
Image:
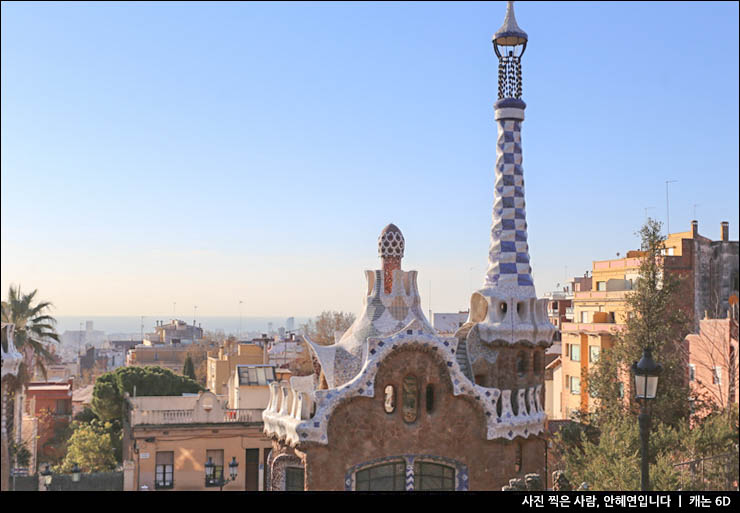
707	269
171	357
168	440
221	365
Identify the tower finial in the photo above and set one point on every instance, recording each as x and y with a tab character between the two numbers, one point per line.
509	43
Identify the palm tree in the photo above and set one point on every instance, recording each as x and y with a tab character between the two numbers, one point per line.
34	331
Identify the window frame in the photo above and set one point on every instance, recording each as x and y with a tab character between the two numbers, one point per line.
591	358
218	470
570	385
716	375
163	484
292	470
420	476
408	462
571	352
398	476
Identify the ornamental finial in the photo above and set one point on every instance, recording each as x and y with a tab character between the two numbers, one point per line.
509	43
510	34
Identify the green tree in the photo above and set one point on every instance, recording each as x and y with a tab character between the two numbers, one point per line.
188	369
108	393
604	449
611	459
658	321
91	447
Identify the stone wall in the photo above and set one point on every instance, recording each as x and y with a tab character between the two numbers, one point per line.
361	431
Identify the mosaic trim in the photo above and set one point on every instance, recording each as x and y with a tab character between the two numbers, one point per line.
461	470
286	425
278	470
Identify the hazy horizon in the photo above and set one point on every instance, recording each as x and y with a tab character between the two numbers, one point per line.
244	157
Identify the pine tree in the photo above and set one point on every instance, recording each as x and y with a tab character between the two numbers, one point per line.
188	369
658	320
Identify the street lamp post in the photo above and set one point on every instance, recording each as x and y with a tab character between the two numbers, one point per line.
47	475
75	473
212	480
646	373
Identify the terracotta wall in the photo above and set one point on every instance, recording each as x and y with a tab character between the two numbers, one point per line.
360	431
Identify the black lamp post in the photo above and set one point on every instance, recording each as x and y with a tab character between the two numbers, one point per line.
646	384
212	480
46	473
75	473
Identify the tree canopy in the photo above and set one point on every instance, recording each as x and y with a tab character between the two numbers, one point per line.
90	447
188	369
108	393
657	321
604	449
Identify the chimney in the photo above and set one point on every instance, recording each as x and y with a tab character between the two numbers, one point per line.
390	249
725	231
694	229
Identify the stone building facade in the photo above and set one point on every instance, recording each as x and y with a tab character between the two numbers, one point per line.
394	405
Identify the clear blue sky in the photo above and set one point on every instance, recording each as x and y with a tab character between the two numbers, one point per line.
206	153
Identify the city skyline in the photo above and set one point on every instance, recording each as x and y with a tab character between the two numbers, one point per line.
248	157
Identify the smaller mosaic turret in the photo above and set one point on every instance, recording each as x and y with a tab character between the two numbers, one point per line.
390	304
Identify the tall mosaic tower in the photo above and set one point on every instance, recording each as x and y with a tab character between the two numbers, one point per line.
506	308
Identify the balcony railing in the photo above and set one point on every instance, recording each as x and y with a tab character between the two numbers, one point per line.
594	327
601	294
155	417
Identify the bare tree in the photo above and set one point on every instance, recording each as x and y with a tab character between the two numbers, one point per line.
714	357
323	329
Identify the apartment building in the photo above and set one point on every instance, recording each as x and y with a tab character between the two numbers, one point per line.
708	269
169	440
221	364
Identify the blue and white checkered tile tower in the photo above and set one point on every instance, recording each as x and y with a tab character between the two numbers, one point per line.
508	257
506	309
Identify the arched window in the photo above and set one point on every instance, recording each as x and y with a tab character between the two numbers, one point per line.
433	477
387	477
518	457
430	398
521	364
390	399
294	479
537	363
410	403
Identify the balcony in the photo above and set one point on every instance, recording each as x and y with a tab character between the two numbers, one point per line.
157	417
622	263
601	294
594	328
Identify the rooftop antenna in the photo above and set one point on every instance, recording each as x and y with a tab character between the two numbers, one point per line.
239	335
174	304
646	214
195	307
667	210
695	205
